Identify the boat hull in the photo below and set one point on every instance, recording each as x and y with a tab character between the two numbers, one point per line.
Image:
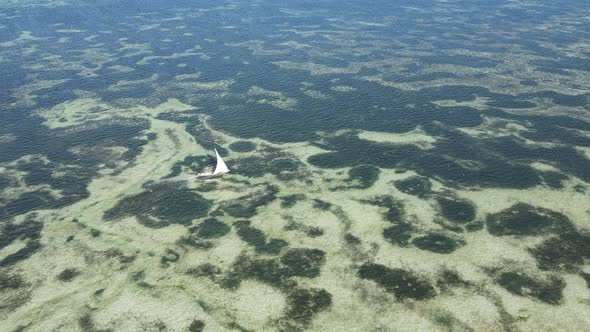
211	175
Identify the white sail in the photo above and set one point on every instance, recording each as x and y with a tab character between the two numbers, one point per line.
221	167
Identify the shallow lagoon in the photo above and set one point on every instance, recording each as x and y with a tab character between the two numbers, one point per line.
394	166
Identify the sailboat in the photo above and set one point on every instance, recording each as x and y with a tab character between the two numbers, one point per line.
220	169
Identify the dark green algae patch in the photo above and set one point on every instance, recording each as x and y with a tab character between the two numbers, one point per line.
15	291
68	274
242	146
190	164
456	210
456	214
419	186
303	262
258	239
399	234
567	251
401	283
169	257
303	303
203	235
87	324
245	206
161	205
269	160
57	145
395	210
310	231
526	220
278	271
402	233
29	230
548	291
290	200
196	326
565	248
210	228
459	160
360	177
407	285
437	243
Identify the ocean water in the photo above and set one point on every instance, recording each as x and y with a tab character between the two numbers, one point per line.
395	165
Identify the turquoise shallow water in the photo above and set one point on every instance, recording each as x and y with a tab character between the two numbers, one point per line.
394	166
